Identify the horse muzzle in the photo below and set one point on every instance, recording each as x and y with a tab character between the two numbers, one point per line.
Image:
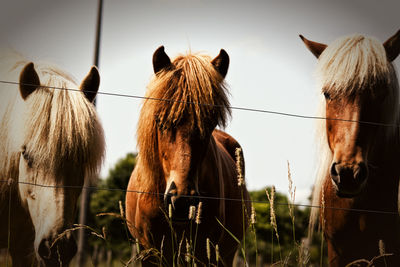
348	179
180	203
53	252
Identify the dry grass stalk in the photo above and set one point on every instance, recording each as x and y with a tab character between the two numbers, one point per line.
192	212
104	231
137	245
217	253
121	209
370	263
180	246
381	247
162	247
271	199
76	227
239	166
170	211
253	215
187	256
198	215
59	257
304	254
323	210
322	223
292	193
208	249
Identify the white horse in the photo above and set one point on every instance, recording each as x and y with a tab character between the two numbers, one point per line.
51	140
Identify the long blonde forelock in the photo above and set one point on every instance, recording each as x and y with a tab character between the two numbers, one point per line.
61	129
73	130
351	64
193	91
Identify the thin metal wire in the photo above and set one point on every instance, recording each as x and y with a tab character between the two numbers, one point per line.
203	197
217	106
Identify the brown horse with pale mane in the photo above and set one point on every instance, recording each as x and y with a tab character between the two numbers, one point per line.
360	150
50	142
182	157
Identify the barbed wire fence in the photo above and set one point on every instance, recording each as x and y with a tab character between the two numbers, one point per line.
248	109
279	113
10	181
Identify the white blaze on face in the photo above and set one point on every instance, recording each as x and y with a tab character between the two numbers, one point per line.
44	203
172	175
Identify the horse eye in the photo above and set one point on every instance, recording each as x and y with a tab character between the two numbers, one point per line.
327	96
23	152
26	157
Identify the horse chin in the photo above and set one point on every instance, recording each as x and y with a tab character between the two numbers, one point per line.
348	191
345	193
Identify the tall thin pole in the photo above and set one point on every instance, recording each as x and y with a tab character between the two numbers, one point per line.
85	197
98	33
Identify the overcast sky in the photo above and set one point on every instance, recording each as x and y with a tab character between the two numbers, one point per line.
270	67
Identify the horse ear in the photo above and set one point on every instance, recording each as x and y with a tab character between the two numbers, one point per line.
160	60
28	80
90	84
221	63
392	46
314	47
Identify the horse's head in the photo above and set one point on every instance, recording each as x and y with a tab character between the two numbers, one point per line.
191	86
62	143
359	86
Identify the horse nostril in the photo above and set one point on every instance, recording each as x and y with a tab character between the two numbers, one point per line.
334	173
333	169
44	249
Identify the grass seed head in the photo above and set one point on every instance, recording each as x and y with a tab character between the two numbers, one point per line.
170	211
239	166
187	256
253	215
192	212
217	253
198	215
208	249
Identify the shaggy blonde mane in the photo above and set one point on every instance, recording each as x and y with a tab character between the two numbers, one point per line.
192	92
58	129
349	66
352	64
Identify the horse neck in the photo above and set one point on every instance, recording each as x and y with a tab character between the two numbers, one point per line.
385	168
211	167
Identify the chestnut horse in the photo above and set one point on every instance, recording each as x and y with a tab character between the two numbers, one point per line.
50	139
359	166
182	157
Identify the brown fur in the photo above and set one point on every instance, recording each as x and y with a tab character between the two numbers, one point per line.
188	92
177	141
360	84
